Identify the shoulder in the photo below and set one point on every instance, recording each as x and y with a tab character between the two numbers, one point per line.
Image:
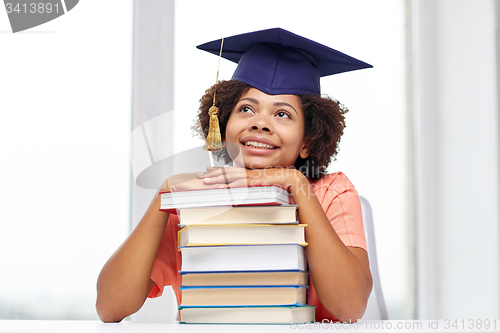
336	182
334	186
340	202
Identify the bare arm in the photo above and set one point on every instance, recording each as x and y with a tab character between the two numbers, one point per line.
340	274
124	282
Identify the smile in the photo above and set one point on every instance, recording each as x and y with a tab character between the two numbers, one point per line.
255	144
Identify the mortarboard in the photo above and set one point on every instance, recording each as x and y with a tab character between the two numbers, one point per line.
277	61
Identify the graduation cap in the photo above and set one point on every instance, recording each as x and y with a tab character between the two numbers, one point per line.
276	61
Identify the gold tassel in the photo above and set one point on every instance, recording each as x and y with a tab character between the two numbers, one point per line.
213	142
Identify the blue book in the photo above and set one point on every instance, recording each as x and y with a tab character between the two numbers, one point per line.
263	278
243	295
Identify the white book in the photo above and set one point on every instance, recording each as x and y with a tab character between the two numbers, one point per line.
269	214
243	295
265	278
238	196
209	235
231	258
248	315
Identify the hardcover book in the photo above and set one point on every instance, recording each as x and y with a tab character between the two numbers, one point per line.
264	278
268	214
248	315
243	295
230	258
238	196
208	235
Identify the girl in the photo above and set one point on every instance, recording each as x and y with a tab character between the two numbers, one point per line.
279	131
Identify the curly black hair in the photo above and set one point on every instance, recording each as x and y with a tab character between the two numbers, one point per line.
324	124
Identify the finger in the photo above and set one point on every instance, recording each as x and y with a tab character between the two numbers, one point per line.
209	171
239	183
246	183
224	178
232	171
210	168
230	177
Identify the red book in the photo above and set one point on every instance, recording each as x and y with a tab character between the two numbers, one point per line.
238	196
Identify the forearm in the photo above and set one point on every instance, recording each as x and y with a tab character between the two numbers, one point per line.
341	275
124	282
341	278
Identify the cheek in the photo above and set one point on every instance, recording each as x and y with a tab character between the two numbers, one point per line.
227	131
231	140
233	129
229	135
229	124
294	136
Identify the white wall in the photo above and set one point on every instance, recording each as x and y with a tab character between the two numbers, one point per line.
64	131
457	158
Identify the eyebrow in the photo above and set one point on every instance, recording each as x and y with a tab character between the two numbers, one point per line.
256	101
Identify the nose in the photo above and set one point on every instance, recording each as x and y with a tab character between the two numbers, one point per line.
261	123
265	129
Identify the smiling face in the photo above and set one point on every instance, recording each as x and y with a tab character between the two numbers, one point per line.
267	129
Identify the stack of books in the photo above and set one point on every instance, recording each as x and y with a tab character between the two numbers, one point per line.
243	256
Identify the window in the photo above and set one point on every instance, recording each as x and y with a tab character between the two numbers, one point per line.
64	149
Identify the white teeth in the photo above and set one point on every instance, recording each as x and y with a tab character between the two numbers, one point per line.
256	144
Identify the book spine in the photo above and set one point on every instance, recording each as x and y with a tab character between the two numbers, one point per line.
207	258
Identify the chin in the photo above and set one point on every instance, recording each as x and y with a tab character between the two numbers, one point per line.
256	165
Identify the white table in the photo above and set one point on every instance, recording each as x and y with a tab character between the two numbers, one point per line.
414	326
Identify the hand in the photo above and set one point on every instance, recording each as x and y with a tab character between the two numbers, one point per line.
286	178
185	181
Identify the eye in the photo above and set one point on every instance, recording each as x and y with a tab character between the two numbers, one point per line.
283	114
245	109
